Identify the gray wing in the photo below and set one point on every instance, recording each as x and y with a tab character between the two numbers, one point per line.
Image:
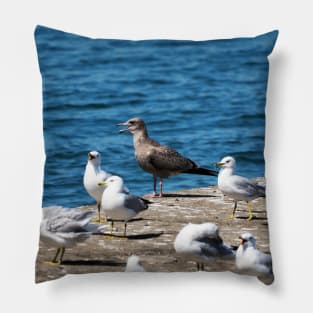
76	236
135	203
71	227
265	268
215	248
82	217
244	185
63	224
261	184
209	250
72	221
265	259
165	158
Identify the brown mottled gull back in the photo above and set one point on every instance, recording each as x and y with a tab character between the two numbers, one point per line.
161	161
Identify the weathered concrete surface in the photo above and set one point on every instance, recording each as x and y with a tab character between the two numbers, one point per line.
151	235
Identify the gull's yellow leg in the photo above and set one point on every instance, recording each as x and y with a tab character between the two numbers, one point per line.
111	231
99	216
54	261
105	217
250	211
232	216
200	266
124	234
125	226
61	256
98	219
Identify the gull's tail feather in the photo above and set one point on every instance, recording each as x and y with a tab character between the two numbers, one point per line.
81	237
201	171
266	279
93	228
145	202
261	190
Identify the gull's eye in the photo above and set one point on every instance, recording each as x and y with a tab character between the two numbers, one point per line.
131	122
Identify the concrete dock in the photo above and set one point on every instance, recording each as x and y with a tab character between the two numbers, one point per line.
151	235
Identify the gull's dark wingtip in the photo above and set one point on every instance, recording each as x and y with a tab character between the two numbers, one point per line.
201	171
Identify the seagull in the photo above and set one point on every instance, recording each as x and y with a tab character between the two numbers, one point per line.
134	264
93	175
159	160
251	261
64	228
237	187
118	203
201	243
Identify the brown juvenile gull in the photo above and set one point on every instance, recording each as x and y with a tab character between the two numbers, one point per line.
159	160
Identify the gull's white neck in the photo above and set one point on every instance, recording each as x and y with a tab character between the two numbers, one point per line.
223	175
225	172
250	245
95	168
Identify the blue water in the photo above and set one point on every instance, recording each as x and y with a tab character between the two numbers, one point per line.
204	99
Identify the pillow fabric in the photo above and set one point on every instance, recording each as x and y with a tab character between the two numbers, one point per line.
187	108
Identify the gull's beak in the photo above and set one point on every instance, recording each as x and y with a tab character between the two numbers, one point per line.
219	164
123	130
242	241
90	156
102	183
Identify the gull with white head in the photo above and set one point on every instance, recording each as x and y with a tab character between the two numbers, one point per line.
237	187
118	203
134	264
92	176
251	261
64	228
202	244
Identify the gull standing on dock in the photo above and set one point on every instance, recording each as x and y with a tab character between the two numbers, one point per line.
134	264
159	160
201	243
64	228
118	203
93	175
251	261
237	187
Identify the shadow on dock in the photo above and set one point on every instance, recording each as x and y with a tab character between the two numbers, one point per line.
93	263
133	237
